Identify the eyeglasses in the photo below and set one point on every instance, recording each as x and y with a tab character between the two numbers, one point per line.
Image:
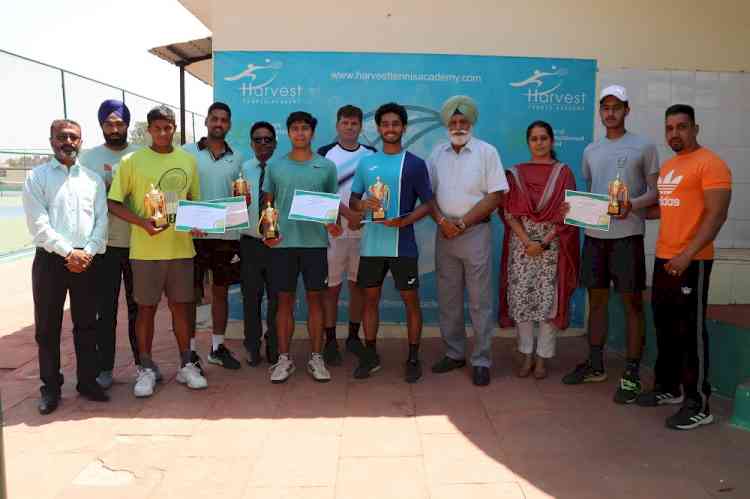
62	137
263	140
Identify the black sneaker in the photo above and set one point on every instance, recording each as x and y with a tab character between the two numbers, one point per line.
369	363
223	357
413	371
354	344
690	416
629	389
446	364
659	397
331	354
196	359
584	373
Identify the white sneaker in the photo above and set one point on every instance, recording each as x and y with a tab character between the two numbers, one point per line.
144	382
281	370
157	372
317	368
190	375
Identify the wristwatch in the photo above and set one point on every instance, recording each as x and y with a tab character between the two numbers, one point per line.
545	246
460	224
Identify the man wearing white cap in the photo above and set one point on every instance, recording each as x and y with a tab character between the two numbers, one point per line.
617	256
468	180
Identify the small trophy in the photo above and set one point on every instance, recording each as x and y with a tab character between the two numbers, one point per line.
619	196
268	223
156	207
381	192
240	186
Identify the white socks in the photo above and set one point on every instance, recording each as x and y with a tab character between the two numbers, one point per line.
216	340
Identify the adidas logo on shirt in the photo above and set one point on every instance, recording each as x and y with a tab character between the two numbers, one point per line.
666	185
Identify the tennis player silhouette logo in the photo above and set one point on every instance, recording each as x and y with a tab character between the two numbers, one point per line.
251	70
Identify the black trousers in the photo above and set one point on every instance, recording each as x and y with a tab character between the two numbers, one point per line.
255	258
679	305
51	282
114	269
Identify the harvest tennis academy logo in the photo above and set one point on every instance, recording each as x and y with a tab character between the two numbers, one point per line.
544	91
255	84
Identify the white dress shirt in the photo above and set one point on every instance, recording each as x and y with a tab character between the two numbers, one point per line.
66	208
461	180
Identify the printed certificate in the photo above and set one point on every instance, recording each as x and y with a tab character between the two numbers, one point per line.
309	206
587	210
210	218
237	217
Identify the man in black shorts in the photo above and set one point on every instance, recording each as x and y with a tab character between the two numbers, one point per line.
301	247
617	256
393	179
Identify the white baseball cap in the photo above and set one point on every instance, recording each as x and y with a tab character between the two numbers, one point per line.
617	91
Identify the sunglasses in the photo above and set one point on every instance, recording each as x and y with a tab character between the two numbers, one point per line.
264	140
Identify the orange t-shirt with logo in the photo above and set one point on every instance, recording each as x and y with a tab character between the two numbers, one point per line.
681	183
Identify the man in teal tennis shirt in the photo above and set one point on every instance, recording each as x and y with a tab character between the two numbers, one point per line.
218	168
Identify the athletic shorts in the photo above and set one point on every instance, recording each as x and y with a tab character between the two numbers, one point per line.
288	263
221	257
343	258
404	269
621	262
174	278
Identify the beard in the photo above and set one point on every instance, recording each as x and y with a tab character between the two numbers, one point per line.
67	152
459	137
389	139
217	134
115	140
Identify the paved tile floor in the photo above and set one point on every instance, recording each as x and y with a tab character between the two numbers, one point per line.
379	438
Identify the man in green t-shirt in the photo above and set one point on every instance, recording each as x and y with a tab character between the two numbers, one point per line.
302	247
161	258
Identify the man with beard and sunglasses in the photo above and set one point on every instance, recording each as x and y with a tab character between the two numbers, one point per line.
390	245
66	213
114	119
468	179
218	167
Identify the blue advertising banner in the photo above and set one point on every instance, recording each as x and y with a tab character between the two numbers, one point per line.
511	92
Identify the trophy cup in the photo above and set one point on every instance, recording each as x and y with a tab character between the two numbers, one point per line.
268	223
619	196
156	207
240	186
381	192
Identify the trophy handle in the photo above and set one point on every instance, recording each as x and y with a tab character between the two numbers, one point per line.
147	206
625	194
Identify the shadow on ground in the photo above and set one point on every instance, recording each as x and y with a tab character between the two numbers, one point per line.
379	438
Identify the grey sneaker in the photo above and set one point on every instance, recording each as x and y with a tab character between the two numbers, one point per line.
584	373
105	380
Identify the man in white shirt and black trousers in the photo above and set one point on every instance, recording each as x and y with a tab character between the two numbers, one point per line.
66	213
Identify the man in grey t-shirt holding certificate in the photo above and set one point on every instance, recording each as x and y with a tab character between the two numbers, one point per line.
617	256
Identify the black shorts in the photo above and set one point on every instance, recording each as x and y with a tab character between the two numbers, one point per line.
216	255
288	263
404	269
619	261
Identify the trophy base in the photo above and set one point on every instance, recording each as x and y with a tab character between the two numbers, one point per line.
160	222
378	215
614	211
270	235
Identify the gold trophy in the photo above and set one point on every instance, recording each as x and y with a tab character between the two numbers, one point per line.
381	192
619	196
240	187
268	223
156	207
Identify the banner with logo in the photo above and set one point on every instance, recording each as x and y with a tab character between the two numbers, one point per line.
511	92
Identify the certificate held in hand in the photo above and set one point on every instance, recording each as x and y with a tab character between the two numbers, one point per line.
309	206
587	210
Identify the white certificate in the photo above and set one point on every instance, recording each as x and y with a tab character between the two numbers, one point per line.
309	206
587	210
237	217
207	217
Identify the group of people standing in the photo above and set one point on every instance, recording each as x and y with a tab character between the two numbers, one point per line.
92	231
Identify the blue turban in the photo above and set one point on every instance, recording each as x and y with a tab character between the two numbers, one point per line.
114	106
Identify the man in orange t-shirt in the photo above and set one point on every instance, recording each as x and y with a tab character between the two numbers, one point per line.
695	188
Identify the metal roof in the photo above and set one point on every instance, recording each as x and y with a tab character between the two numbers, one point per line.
194	55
